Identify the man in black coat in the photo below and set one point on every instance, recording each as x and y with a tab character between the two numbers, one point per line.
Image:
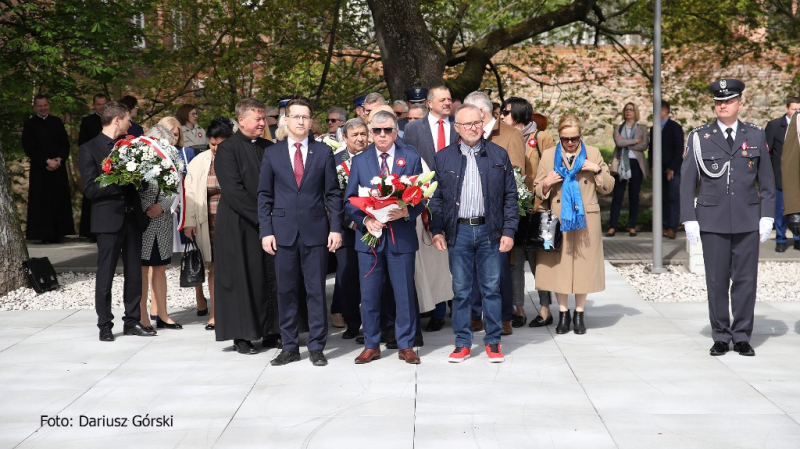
91	126
45	141
117	221
244	282
671	160
776	133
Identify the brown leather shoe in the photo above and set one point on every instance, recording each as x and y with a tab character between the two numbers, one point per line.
669	233
507	330
409	356
367	356
477	325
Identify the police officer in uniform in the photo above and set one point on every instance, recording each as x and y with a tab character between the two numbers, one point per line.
735	209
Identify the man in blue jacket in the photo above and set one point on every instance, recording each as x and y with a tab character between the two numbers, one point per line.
474	212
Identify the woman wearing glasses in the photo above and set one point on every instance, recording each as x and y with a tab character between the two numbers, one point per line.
569	178
628	166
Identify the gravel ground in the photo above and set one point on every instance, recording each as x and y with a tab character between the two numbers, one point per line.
77	292
777	281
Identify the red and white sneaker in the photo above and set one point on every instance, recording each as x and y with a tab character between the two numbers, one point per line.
494	353
459	354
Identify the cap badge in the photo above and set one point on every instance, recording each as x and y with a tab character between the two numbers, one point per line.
723	84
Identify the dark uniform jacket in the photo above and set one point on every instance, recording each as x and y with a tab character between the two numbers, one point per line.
776	133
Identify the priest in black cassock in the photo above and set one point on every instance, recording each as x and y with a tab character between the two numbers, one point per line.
91	126
45	141
244	281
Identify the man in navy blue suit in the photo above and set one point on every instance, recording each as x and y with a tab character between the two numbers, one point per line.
397	246
297	184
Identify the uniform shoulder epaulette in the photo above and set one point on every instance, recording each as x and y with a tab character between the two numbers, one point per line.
752	125
699	128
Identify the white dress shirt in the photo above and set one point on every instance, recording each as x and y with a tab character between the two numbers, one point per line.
724	127
389	160
434	123
292	149
487	128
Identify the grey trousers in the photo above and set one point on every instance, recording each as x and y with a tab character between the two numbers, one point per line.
731	262
518	276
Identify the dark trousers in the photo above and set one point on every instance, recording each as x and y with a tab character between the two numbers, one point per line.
780	220
731	261
506	291
312	262
128	241
86	218
400	270
634	185
349	285
671	202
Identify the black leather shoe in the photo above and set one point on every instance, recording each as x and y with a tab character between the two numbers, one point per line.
284	358
138	329
797	245
540	322
149	328
272	341
244	347
106	334
317	358
203	312
578	325
518	321
744	348
564	319
360	340
350	334
161	324
780	247
719	348
434	325
391	344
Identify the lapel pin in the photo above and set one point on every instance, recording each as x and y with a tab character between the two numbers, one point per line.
401	162
706	136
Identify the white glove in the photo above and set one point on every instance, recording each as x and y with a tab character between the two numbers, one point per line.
692	232
765	228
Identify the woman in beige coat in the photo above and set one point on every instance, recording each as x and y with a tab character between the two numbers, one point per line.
578	267
202	196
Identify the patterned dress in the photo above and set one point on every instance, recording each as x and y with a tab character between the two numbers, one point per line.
214	192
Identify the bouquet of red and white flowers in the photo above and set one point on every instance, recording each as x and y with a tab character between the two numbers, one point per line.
391	192
343	174
137	159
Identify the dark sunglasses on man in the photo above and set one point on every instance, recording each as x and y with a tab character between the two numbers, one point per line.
377	131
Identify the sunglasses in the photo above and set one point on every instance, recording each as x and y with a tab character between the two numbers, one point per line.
276	117
571	139
378	131
505	112
334	120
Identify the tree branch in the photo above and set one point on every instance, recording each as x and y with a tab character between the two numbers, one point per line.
330	53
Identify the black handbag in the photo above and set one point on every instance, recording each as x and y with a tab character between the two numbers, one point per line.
41	274
543	231
193	271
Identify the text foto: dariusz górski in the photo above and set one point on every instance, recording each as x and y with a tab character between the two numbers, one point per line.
107	421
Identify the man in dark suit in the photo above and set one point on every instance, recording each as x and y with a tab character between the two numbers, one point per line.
298	182
776	133
671	160
436	130
118	221
347	279
397	247
90	127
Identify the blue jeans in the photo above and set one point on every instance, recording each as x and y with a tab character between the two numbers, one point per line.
474	249
780	220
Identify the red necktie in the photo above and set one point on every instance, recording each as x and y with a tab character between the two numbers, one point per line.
440	143
384	165
298	164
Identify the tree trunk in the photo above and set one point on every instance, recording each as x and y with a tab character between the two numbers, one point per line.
13	250
409	56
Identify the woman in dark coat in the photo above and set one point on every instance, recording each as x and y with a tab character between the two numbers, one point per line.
245	285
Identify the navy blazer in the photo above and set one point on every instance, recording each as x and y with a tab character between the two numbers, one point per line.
776	134
671	146
418	134
365	166
288	211
497	182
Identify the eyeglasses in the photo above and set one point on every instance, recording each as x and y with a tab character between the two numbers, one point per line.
276	117
629	110
334	120
571	139
472	125
193	113
378	131
505	112
300	118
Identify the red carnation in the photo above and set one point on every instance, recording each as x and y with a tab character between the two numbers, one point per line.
412	195
398	186
107	165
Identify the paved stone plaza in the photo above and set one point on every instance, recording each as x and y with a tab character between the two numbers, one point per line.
640	378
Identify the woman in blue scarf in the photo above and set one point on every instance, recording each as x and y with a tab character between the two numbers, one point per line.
569	178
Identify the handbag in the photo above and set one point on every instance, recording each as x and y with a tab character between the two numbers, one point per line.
193	271
41	274
543	232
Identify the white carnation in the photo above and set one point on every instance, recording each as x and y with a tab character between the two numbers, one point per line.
376	181
130	166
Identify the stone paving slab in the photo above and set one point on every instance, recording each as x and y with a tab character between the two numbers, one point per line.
640	378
